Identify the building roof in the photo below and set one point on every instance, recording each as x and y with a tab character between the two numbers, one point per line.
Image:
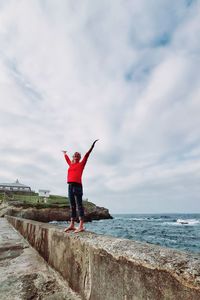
15	184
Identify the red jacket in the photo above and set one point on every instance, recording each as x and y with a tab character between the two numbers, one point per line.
75	170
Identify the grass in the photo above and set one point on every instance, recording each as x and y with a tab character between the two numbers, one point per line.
38	202
34	200
89	206
57	199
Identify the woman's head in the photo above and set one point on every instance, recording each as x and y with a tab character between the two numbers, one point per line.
76	157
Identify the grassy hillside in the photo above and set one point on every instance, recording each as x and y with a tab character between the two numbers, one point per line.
39	202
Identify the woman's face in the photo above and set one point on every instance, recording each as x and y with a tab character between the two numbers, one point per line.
76	157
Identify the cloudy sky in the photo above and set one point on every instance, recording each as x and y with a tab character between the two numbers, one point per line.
125	72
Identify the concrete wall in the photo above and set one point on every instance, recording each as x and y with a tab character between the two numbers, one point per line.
105	268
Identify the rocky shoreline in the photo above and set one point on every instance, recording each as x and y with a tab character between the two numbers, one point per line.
48	214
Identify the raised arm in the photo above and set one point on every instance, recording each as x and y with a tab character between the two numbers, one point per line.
66	157
89	151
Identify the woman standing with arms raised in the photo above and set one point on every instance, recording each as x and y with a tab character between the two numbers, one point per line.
75	188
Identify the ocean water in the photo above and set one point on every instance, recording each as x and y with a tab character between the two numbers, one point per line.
180	231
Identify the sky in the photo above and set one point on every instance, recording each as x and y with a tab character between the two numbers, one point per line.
124	72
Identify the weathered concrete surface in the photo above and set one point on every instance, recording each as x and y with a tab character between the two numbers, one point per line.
105	268
23	273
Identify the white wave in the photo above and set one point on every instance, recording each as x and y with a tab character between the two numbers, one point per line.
143	219
187	221
150	219
138	219
167	223
129	219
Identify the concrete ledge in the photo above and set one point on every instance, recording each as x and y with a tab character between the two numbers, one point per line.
24	273
105	268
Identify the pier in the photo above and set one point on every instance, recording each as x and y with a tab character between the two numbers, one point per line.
23	272
100	267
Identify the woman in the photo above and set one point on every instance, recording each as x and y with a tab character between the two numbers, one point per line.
75	189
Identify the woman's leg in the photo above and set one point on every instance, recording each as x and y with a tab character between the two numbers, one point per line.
73	209
79	201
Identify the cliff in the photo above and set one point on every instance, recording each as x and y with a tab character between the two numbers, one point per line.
44	213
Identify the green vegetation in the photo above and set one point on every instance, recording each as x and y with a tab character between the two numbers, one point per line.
55	199
26	201
89	206
34	200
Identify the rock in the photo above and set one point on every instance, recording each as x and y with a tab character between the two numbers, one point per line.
41	214
99	213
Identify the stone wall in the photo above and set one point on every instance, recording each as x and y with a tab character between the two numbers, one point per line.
106	268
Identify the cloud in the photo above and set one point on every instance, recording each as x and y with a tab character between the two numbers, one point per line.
123	72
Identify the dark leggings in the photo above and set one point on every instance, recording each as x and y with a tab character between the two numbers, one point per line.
75	193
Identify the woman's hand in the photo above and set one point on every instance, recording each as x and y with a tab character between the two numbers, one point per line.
95	142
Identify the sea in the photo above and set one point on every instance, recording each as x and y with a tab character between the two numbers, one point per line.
179	231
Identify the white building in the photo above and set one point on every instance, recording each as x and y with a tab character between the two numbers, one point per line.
44	193
14	187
